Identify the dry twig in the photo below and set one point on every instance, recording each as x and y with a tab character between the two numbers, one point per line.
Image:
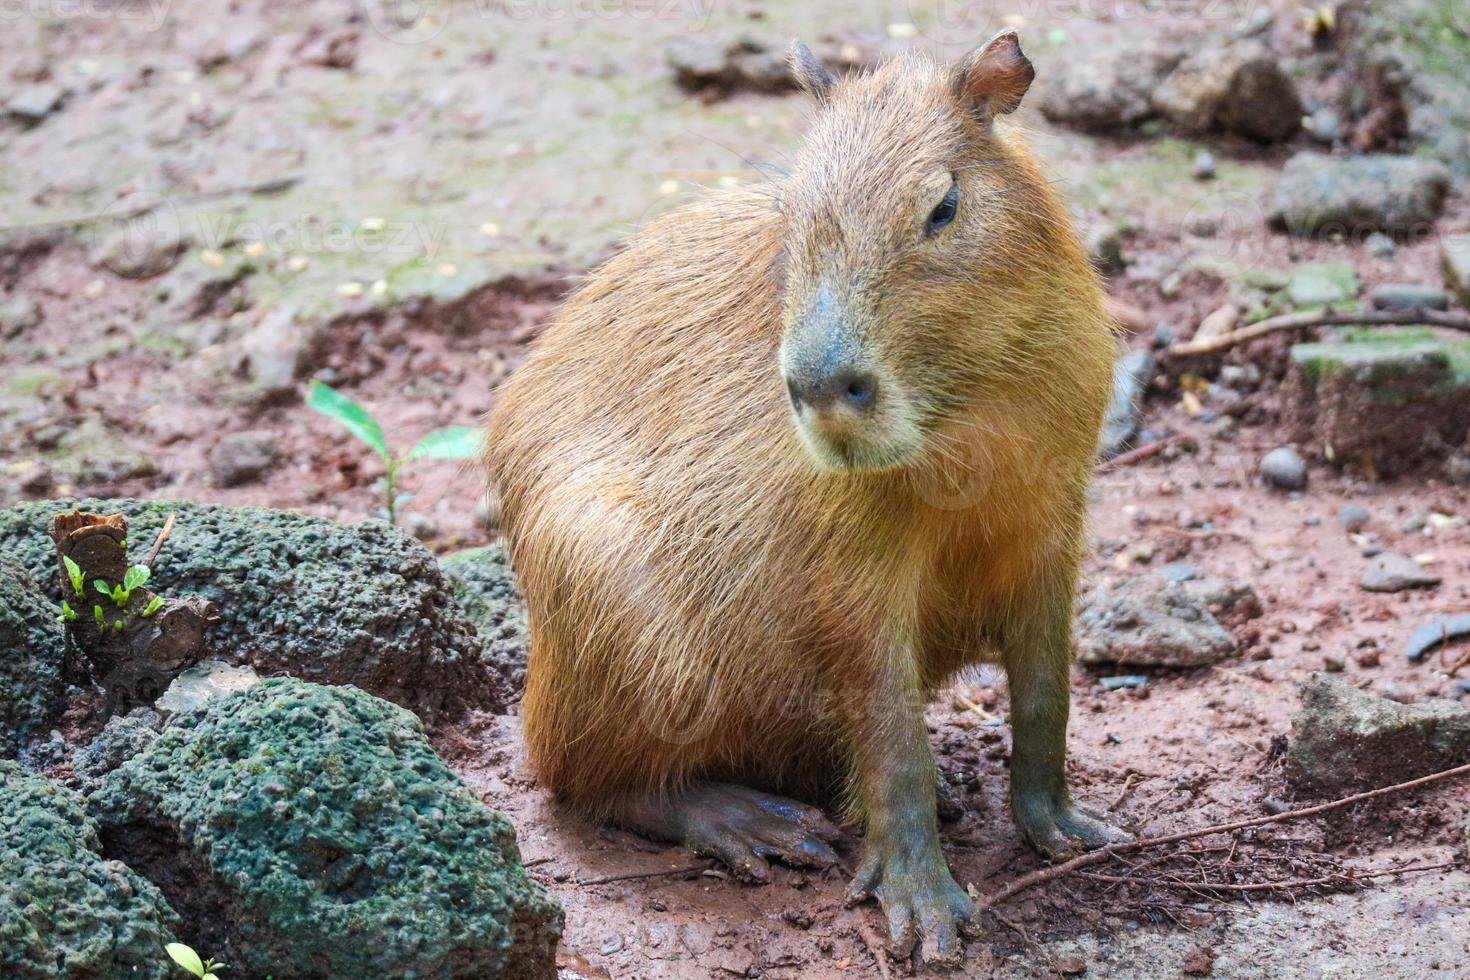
1134	455
1347	877
1326	318
875	946
1100	855
635	875
163	533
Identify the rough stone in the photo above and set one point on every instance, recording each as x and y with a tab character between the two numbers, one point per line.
1149	622
1131	376
1345	740
1284	469
1353	196
308	831
201	682
93	452
1392	572
1407	296
1454	262
123	737
35	102
1435	633
242	457
485	588
1390	400
1236	88
359	604
31	650
65	912
18	315
1204	165
1321	284
1353	517
1107	88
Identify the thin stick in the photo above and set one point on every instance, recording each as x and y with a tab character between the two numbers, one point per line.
634	875
1134	455
985	715
1347	877
1328	318
875	946
163	533
1105	853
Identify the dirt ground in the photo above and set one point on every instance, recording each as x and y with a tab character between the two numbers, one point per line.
397	208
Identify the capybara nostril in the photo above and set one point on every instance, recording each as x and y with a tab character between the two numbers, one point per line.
852	390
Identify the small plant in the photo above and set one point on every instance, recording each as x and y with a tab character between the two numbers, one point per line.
132	579
68	614
74	572
451	442
152	607
186	957
97	615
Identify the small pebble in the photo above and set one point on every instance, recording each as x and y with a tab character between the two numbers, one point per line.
1333	664
1369	658
1204	165
1283	469
1122	681
1353	517
1379	245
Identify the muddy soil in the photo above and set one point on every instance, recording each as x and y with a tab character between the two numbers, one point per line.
412	198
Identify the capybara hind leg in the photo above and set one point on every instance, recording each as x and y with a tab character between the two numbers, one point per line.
741	827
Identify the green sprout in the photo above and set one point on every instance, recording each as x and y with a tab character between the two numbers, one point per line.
135	577
186	957
68	614
117	626
153	607
97	615
451	442
78	580
120	594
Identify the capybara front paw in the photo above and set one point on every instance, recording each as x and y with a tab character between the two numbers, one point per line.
1058	828
745	829
921	901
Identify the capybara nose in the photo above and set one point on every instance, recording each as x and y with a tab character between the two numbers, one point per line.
854	391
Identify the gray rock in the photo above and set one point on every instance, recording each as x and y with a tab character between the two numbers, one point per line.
1321	284
1243	377
360	604
1432	634
1107	88
1454	262
93	452
31	649
123	737
35	102
1236	88
275	350
1353	517
1131	377
65	911
485	588
141	249
203	682
18	315
1344	739
242	457
1179	571
1204	165
1352	196
1104	243
1325	125
1284	469
1407	296
707	63
1457	469
1393	572
1379	245
340	843
1149	622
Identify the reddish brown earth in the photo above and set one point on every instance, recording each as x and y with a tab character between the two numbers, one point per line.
1191	748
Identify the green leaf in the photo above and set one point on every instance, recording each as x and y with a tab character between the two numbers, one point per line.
451	442
186	957
101	586
136	576
68	614
352	416
97	615
119	595
74	570
153	607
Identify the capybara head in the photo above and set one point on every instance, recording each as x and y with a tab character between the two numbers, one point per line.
916	233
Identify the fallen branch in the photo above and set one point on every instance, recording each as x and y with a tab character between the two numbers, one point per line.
1346	878
875	946
163	533
1135	455
635	875
1100	855
1300	321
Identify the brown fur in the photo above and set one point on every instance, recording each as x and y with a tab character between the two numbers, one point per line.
705	601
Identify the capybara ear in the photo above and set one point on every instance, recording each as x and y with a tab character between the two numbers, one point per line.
995	76
809	73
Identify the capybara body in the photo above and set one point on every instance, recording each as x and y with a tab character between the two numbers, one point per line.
793	457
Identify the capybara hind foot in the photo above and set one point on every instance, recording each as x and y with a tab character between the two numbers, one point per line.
739	826
1060	828
920	899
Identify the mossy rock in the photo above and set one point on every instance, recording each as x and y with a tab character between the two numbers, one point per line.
308	831
65	912
31	650
1387	401
485	587
360	604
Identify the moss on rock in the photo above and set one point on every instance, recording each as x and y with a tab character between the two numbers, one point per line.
310	831
485	587
64	911
31	649
360	604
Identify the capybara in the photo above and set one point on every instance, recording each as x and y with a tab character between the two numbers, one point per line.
792	458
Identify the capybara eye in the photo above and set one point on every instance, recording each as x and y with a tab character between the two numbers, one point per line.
944	213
